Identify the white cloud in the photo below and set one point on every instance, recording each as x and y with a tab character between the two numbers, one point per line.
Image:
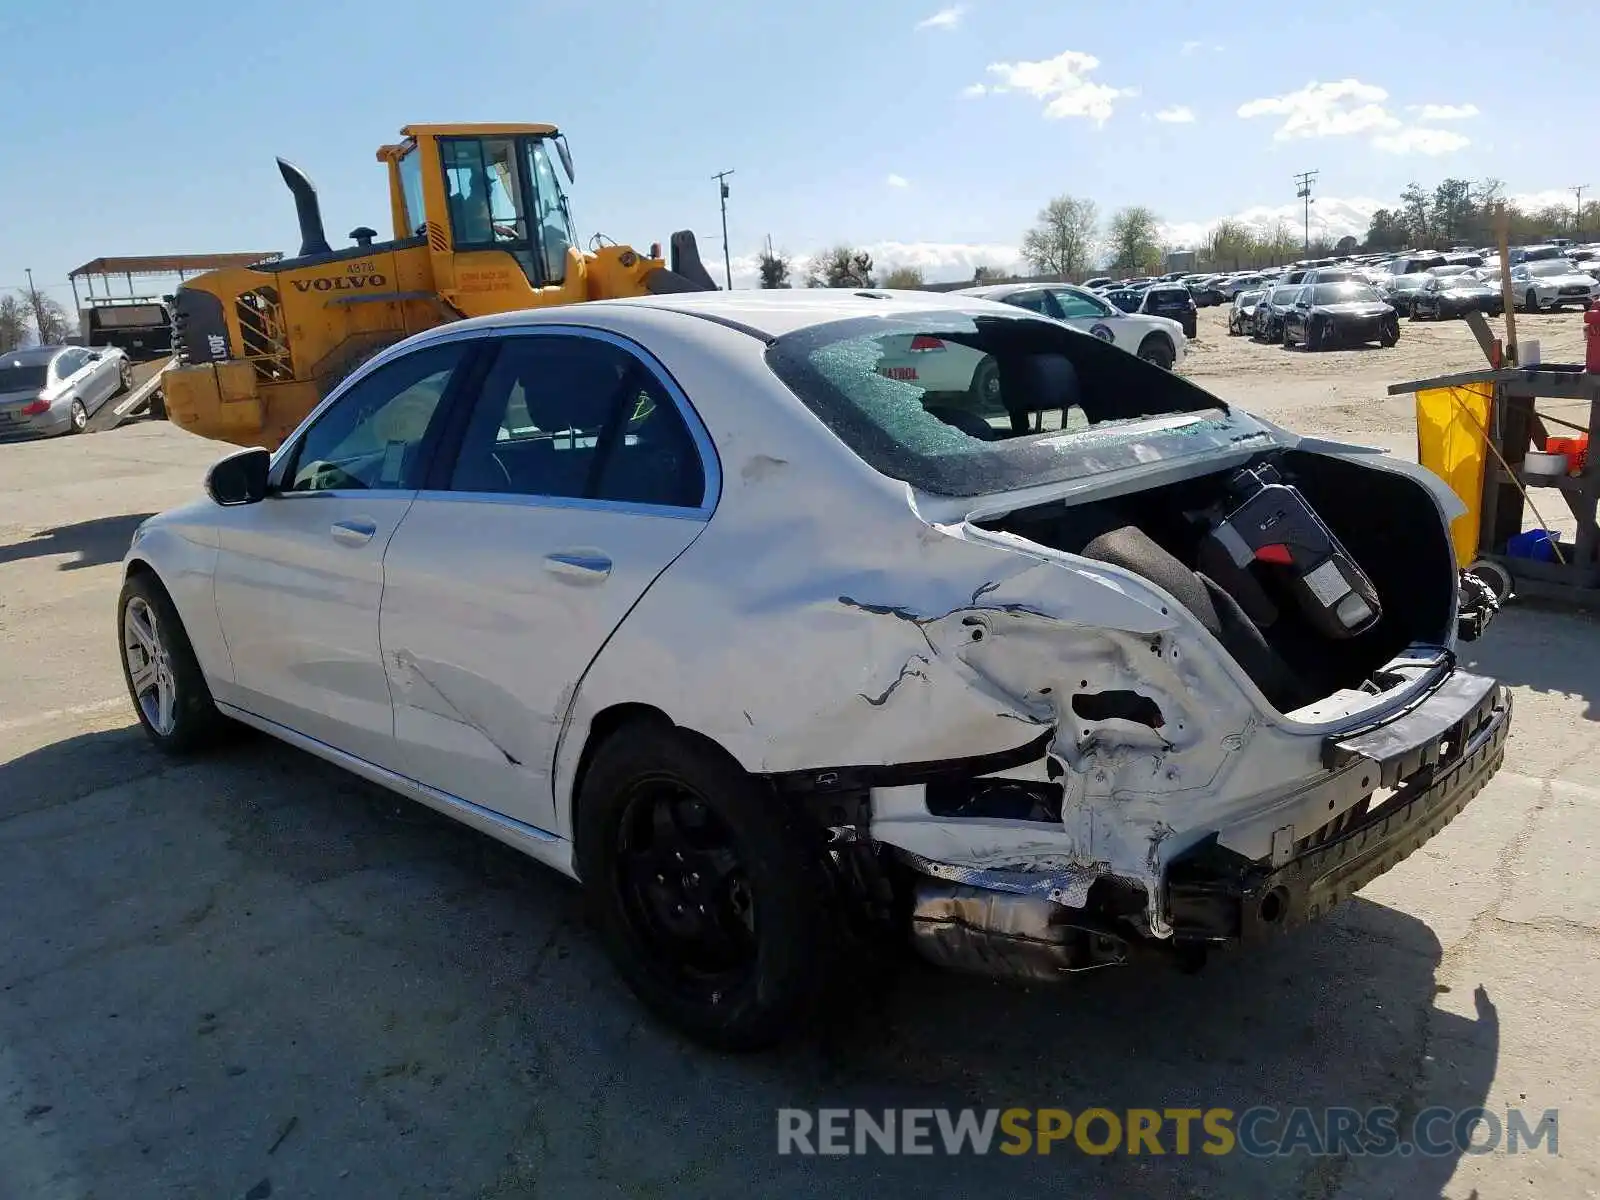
1178	114
945	18
1331	217
1549	198
1189	48
1325	110
973	90
1443	112
1063	82
1421	141
898	181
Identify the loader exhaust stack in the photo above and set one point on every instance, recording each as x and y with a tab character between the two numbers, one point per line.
312	239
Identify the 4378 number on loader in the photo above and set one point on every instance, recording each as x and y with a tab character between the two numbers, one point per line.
481	225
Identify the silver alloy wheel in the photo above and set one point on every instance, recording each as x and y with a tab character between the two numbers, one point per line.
80	416
155	690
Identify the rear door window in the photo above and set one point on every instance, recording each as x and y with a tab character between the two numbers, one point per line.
575	417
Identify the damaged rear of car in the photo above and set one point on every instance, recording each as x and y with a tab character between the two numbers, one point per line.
1227	653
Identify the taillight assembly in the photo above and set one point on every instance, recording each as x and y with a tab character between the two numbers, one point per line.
922	343
34	407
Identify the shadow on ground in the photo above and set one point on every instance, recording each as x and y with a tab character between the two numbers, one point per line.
90	543
256	973
1544	647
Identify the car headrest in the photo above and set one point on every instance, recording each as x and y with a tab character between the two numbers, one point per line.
1036	382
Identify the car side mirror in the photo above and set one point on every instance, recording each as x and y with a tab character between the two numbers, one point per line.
241	478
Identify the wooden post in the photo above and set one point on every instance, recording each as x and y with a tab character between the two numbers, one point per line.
1502	234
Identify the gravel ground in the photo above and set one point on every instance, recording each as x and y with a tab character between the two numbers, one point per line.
251	975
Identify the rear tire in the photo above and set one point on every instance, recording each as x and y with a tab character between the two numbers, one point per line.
164	679
983	392
1158	351
707	888
78	419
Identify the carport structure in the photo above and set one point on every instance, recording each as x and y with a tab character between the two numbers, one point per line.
148	265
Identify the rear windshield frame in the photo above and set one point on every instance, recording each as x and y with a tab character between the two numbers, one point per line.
1134	395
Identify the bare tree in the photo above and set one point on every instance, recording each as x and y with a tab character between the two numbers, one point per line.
1063	240
908	278
14	321
984	273
774	268
51	321
841	267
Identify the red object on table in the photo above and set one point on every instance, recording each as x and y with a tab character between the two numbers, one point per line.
1591	335
1575	448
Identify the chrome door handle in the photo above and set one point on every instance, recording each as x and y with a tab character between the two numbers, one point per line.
578	566
353	533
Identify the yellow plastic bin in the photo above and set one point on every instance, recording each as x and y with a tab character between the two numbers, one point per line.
1451	423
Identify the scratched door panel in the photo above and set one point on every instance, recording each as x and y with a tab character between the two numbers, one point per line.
493	607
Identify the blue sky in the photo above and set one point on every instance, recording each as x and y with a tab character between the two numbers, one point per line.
930	131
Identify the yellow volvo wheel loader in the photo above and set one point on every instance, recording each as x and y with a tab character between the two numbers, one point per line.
481	225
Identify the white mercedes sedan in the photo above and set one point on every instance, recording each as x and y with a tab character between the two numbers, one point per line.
783	655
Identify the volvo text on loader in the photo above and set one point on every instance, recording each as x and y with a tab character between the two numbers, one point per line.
481	225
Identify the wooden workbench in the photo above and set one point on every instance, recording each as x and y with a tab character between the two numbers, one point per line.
1514	424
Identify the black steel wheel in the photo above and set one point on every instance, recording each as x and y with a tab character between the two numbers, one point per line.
707	888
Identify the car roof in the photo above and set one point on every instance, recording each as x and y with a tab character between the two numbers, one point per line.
764	313
30	356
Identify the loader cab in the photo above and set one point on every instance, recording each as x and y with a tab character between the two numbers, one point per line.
481	195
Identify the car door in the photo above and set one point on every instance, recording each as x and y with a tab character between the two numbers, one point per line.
68	367
580	474
105	369
299	576
1093	316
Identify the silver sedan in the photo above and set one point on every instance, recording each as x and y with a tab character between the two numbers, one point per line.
56	389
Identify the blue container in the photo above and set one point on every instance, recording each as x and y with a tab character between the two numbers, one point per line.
1537	544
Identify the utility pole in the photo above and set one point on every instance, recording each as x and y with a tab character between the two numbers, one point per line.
38	307
727	259
1578	191
1302	184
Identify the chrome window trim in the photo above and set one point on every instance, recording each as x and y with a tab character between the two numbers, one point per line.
710	462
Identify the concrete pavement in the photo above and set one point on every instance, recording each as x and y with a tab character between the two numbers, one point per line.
253	975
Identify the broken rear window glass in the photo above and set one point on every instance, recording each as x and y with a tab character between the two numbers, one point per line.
964	404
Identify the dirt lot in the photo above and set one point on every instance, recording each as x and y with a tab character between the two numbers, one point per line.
252	975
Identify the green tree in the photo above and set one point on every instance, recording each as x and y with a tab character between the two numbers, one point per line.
1062	242
1387	230
1135	240
908	278
1416	206
1451	212
841	267
774	268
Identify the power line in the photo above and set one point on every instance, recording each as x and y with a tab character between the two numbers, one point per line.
1302	185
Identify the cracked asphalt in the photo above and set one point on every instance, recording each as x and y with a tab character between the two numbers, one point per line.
251	975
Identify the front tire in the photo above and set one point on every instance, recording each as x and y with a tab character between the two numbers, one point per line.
1530	302
1158	350
124	378
1389	332
163	675
707	888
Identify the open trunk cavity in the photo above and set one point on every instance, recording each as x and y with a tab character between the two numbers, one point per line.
1387	523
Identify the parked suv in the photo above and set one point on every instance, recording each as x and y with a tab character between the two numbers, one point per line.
1173	301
